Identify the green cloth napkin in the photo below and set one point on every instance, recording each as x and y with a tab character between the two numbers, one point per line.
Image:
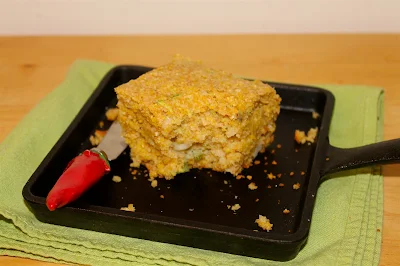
346	225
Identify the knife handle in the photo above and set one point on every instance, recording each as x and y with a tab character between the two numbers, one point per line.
81	173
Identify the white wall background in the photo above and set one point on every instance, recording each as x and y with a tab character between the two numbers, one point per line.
43	17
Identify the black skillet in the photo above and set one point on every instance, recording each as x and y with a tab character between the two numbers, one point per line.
191	210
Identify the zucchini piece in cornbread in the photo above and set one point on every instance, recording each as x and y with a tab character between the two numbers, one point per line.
185	115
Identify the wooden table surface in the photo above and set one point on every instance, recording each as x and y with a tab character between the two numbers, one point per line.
30	67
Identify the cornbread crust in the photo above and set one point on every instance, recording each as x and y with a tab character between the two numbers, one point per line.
185	115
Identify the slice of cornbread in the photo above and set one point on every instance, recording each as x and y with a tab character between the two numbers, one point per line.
185	115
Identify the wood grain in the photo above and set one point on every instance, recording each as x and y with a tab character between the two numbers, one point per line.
30	67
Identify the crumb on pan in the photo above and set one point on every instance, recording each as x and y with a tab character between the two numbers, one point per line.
315	115
273	151
302	173
112	114
101	124
271	176
191	210
249	177
154	183
265	171
225	182
279	175
252	186
281	184
327	159
286	211
134	172
296	150
279	146
162	196
291	174
97	137
264	223
238	177
235	207
116	179
296	186
130	208
274	162
300	136
257	200
312	134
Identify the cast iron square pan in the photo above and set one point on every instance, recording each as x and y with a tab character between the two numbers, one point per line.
193	211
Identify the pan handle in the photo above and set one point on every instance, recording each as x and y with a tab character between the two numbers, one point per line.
338	159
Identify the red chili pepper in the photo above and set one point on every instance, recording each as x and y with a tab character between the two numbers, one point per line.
80	174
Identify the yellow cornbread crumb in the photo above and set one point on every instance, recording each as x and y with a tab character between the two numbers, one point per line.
252	186
238	177
301	137
112	114
154	183
296	186
264	223
97	137
235	207
116	179
271	176
130	208
315	115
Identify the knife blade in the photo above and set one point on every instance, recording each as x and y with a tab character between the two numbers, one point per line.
86	169
113	144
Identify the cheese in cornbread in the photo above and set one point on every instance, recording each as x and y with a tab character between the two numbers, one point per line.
185	115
